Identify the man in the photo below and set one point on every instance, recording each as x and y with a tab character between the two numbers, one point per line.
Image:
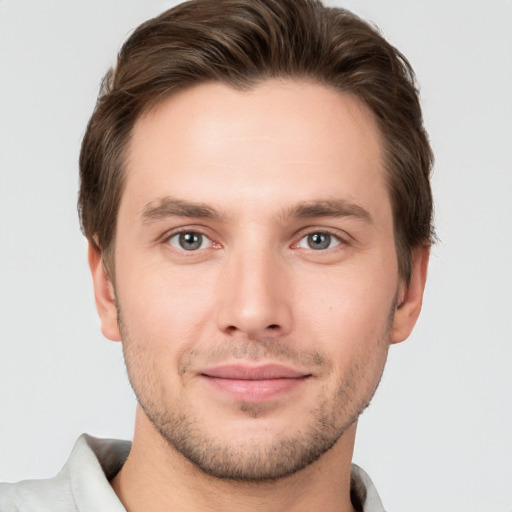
255	192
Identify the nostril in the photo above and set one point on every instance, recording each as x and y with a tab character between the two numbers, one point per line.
273	326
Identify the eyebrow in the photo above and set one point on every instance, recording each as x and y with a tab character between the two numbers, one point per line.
336	208
171	207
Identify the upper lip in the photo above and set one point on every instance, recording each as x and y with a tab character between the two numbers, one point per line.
247	372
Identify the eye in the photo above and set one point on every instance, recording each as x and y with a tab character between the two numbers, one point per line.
319	241
189	241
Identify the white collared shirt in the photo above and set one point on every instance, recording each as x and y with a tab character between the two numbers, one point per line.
83	483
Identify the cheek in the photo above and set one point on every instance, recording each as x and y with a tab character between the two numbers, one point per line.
350	303
350	323
166	308
160	326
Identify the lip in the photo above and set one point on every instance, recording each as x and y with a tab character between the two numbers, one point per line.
254	383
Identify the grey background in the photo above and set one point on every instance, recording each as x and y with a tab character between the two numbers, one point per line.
438	434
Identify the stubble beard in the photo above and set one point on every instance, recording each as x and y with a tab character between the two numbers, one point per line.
252	461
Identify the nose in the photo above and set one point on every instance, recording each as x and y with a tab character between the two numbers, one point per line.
255	295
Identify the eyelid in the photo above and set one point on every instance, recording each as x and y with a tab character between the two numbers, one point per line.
334	242
189	229
204	241
342	236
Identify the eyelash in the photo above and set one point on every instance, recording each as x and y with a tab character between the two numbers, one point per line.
324	232
339	241
191	231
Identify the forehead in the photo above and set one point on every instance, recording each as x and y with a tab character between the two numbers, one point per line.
278	143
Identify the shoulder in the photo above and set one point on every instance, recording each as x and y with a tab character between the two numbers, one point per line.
82	484
53	495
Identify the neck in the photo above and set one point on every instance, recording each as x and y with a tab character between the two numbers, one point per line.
157	477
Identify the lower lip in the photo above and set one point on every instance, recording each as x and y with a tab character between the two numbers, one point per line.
254	390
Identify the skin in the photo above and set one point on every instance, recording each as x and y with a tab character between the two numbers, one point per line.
257	174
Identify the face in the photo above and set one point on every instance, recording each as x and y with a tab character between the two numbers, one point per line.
256	274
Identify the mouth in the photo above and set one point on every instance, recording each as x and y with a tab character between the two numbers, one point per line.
254	383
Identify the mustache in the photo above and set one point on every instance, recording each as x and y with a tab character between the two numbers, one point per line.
257	350
260	350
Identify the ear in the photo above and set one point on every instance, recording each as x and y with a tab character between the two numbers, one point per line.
410	297
104	295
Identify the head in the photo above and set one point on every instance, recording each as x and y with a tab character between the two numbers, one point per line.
255	190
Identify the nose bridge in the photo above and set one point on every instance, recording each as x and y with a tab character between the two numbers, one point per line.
254	297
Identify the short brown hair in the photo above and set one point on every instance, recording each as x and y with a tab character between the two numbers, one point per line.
241	43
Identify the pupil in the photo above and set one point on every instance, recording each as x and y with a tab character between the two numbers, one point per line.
319	241
191	241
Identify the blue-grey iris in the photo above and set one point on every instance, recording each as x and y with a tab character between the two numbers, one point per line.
318	241
190	241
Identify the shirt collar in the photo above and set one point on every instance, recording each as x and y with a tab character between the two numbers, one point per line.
94	462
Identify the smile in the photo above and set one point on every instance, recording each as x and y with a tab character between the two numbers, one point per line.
254	383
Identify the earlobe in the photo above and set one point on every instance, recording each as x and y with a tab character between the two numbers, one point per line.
409	304
104	295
